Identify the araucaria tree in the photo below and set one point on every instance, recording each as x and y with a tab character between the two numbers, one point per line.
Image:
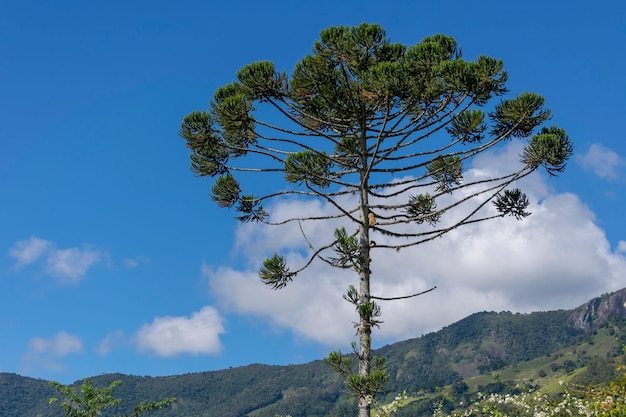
388	124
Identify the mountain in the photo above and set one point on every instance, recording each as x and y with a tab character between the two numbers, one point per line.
597	312
528	348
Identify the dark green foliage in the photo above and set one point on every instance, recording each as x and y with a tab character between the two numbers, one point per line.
275	272
446	170
422	208
369	310
347	249
421	368
347	151
491	340
251	209
569	365
308	167
208	156
493	364
25	397
488	79
355	80
345	406
305	402
225	191
231	107
424	407
340	363
597	371
512	202
459	388
468	126
197	129
371	384
519	116
262	80
551	148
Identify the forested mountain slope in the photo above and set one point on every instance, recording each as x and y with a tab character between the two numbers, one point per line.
477	345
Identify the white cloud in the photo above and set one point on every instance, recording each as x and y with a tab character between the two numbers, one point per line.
71	264
67	265
61	344
28	251
46	353
136	261
556	258
311	306
171	336
621	246
111	341
604	162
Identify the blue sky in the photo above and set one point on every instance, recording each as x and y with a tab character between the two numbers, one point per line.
113	258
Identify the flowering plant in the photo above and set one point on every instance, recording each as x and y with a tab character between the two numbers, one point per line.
526	404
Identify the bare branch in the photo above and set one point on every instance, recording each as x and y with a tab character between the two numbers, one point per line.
403	297
306	239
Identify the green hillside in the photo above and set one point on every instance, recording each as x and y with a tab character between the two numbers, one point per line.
537	349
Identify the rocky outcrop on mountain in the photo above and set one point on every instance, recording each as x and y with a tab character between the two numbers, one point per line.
596	313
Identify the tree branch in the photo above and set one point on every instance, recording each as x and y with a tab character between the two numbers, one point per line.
403	297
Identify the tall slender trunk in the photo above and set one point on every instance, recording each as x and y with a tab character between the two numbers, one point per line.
365	327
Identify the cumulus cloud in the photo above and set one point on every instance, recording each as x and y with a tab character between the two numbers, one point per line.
171	336
311	306
26	252
67	265
111	342
46	352
556	258
71	264
61	344
602	161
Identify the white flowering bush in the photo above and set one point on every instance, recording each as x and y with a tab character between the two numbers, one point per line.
387	410
525	404
591	401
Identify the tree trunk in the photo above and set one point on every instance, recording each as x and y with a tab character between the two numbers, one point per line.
365	327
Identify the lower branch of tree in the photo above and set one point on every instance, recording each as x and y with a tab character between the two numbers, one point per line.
404	296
